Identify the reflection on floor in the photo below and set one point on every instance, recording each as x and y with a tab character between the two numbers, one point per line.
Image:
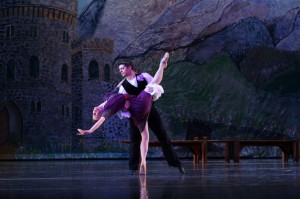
103	179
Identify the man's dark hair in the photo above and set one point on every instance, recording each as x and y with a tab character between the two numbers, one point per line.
126	62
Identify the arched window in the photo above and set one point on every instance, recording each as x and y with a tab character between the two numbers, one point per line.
10	32
34	66
32	106
94	70
33	31
63	110
4	125
106	73
39	107
11	69
76	114
64	72
66	37
35	107
67	111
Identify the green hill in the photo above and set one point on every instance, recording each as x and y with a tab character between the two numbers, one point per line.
219	94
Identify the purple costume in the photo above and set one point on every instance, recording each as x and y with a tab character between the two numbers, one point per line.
114	103
140	106
139	109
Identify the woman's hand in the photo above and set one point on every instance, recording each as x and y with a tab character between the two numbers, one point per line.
83	132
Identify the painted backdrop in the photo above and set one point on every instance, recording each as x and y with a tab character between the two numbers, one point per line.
234	72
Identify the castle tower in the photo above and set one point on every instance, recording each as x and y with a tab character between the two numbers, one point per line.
92	78
35	73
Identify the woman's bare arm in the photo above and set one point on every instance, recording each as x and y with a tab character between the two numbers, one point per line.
93	128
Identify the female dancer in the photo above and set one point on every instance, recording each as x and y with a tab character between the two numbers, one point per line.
139	108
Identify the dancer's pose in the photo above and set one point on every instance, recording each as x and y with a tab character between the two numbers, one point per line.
134	84
139	107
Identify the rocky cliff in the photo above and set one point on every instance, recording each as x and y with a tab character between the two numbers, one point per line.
260	39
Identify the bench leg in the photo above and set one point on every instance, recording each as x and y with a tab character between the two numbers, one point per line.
227	152
296	150
196	153
237	148
285	157
196	159
204	150
232	151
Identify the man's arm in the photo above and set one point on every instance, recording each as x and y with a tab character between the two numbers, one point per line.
121	88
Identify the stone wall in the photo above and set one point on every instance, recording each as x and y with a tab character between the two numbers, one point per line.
43	99
49	104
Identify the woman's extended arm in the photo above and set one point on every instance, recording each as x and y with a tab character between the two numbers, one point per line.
94	127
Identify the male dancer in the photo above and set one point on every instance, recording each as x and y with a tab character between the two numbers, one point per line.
133	84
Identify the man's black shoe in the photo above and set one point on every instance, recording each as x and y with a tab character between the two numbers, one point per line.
181	169
131	172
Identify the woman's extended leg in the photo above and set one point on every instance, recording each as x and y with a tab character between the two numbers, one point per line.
160	72
144	149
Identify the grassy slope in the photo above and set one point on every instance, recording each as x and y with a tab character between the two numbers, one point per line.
217	92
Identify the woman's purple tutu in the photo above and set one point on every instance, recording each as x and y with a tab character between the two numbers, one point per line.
140	108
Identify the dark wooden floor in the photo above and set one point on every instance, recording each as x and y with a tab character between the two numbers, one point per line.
103	179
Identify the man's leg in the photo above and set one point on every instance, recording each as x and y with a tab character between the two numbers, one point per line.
134	150
156	125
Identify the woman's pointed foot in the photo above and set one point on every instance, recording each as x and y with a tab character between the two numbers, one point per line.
143	169
165	59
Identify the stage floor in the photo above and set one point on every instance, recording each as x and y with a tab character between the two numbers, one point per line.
108	179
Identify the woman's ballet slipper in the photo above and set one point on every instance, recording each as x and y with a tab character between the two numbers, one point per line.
165	59
143	169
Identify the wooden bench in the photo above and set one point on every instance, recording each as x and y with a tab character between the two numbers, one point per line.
288	147
232	148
